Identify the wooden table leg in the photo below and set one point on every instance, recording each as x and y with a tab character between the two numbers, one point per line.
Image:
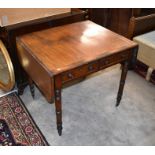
32	88
133	59
122	82
58	109
20	89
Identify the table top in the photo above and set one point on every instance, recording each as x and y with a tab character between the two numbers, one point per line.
65	47
11	16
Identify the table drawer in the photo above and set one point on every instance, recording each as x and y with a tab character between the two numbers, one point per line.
114	59
80	72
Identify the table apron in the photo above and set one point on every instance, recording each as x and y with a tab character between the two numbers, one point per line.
95	66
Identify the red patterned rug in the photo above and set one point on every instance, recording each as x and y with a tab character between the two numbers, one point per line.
17	127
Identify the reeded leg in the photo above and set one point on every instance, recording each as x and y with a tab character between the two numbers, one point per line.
32	88
58	105
122	82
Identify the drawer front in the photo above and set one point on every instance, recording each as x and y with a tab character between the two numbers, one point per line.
114	59
80	72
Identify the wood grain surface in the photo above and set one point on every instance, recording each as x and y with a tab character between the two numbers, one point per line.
10	16
65	47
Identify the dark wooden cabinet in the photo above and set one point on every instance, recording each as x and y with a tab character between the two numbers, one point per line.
116	19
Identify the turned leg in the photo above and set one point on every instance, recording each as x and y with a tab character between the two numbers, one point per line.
58	105
20	90
32	88
122	82
133	60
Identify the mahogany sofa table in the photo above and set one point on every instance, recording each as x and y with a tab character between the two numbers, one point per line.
56	56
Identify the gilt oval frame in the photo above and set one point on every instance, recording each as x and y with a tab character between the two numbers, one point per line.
11	82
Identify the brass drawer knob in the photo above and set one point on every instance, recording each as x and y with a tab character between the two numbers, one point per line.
123	55
106	62
70	75
86	17
90	68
